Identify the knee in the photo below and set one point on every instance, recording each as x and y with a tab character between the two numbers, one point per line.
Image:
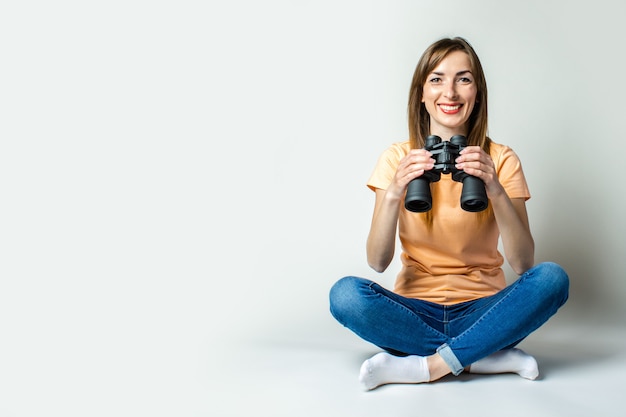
344	296
554	280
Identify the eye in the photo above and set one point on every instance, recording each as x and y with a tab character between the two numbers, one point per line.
465	80
435	80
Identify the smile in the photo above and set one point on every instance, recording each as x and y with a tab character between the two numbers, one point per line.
450	109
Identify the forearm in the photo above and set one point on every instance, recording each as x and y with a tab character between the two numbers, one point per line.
382	237
511	216
517	241
381	241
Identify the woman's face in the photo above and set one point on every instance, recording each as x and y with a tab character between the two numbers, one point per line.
449	95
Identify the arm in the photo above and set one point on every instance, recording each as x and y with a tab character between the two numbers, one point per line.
381	240
518	243
510	214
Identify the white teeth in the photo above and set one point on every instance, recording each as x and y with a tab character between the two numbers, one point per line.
450	108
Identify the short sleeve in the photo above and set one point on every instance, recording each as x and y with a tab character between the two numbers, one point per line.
387	164
510	172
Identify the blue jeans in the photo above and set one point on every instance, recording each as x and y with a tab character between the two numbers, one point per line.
461	333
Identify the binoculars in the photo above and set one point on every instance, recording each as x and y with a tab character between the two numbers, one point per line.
473	196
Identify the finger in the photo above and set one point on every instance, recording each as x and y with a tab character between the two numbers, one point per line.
417	161
476	158
477	169
471	156
470	149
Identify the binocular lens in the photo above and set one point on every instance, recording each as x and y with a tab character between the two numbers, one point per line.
473	205
418	198
473	195
417	206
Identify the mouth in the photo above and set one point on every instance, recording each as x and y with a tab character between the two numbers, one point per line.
450	108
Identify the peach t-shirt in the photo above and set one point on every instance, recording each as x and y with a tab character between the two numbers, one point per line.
457	259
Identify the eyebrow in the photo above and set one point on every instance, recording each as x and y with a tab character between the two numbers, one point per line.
458	73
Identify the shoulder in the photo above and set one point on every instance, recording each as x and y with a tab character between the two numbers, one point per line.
502	154
396	151
387	165
497	149
400	148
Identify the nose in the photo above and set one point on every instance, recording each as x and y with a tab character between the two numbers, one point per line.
450	91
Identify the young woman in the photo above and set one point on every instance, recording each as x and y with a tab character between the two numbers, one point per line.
450	309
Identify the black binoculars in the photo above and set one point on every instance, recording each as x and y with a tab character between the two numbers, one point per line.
473	196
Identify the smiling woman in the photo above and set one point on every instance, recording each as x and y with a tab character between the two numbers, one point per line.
462	74
449	95
450	309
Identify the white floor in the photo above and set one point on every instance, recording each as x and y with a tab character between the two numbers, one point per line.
582	374
303	369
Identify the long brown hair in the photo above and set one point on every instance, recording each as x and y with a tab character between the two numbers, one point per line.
418	117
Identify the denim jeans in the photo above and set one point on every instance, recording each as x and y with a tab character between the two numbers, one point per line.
461	333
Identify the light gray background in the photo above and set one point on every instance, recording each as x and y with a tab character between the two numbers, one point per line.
177	177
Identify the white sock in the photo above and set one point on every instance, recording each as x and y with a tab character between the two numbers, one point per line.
509	360
384	368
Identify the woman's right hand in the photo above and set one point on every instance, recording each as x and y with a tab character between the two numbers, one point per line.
412	166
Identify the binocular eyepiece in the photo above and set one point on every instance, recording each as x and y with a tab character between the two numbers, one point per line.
473	196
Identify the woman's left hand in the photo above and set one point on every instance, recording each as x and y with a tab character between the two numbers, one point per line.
476	162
